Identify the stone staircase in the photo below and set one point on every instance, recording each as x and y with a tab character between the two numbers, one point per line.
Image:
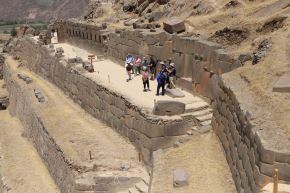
140	187
201	110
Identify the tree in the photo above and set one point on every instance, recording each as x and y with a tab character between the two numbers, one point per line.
13	32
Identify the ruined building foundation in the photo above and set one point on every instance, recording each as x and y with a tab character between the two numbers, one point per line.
202	67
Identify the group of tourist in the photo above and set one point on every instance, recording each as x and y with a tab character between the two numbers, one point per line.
147	68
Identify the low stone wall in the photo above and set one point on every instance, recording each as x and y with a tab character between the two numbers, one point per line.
146	131
23	105
196	60
1	66
251	159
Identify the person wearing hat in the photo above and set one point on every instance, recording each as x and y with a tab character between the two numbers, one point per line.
145	78
152	66
172	76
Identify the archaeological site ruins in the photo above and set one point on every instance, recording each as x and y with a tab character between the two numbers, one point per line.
70	122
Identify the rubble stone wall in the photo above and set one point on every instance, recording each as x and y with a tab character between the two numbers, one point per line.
251	162
145	130
196	60
23	105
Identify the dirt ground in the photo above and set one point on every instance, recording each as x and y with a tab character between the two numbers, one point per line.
81	133
21	167
204	162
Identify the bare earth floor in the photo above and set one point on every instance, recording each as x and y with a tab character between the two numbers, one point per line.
21	167
204	162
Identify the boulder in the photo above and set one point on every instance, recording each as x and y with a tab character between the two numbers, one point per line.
174	26
169	108
39	96
25	78
180	178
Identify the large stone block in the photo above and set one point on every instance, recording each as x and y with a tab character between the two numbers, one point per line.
169	108
180	178
283	84
174	26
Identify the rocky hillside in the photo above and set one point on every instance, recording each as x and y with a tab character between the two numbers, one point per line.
41	10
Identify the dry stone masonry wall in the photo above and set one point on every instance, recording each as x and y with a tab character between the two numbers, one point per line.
23	106
196	60
148	132
251	161
200	66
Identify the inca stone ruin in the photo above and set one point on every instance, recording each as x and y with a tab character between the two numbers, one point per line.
75	118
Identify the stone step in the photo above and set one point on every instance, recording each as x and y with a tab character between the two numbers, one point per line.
142	187
202	112
205	123
123	191
204	117
133	190
196	106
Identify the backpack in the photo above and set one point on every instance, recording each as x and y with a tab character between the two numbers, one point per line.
129	67
145	75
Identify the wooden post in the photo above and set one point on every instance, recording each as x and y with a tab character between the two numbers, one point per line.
91	57
275	180
90	154
140	157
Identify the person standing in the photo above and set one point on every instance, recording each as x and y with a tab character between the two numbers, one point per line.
161	81
145	78
137	66
172	76
129	66
144	62
152	66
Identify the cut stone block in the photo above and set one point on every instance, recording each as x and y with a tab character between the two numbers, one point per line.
204	129
174	93
141	187
174	26
180	178
39	96
283	84
25	78
169	108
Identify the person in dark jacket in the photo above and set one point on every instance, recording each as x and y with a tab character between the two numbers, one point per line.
161	80
152	67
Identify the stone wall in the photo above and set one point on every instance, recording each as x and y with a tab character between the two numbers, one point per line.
196	60
251	160
23	105
200	67
146	131
1	66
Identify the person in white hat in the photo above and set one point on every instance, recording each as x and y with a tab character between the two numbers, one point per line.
172	76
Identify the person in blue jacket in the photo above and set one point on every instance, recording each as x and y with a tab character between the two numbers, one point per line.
161	80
